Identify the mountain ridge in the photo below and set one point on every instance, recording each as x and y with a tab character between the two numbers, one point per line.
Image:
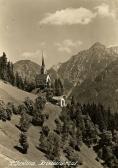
103	89
87	63
27	69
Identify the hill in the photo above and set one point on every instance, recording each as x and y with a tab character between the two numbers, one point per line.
9	133
9	93
27	68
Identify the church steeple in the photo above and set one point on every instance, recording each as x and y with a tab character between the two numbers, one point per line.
43	65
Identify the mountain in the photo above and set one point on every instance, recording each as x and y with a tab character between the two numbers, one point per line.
56	67
103	89
53	73
113	49
87	64
27	68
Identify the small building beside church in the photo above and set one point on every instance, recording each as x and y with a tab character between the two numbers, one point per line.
59	100
43	79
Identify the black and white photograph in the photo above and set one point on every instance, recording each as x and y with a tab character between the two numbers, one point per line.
58	83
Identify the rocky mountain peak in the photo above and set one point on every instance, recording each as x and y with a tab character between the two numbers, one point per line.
97	45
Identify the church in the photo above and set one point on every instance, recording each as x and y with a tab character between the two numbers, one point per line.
43	79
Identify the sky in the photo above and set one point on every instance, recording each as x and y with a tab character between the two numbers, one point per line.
59	28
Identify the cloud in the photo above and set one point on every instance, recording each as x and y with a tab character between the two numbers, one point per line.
34	54
68	45
69	16
105	11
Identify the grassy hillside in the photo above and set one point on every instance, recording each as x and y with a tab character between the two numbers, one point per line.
9	133
8	93
9	136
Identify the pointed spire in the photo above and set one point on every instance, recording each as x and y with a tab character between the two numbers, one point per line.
43	70
43	64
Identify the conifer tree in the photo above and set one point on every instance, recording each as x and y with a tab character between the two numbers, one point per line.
58	86
23	142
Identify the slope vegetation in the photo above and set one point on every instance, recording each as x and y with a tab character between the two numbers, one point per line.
9	136
9	133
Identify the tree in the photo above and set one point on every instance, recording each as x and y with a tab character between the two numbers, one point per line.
61	88
90	132
58	127
58	87
29	105
49	94
54	145
19	81
45	130
25	122
38	119
80	120
73	101
106	139
40	102
3	113
9	110
10	73
79	136
4	66
23	142
72	156
50	145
